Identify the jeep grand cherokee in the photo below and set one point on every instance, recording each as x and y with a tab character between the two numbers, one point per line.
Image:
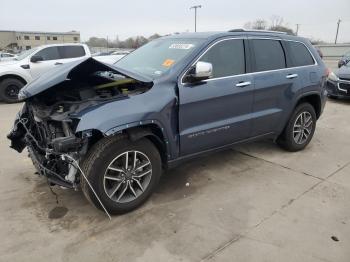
113	129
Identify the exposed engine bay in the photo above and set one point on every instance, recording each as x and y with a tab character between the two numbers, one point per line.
47	122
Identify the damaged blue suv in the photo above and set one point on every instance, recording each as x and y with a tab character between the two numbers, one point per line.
111	130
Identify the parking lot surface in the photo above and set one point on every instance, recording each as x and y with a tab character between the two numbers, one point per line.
254	202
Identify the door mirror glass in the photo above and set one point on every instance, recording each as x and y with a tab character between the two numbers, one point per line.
36	58
201	71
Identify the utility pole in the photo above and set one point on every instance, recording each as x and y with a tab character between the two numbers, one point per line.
195	7
296	32
336	36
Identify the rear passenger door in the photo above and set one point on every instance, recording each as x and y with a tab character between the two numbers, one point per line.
274	85
216	112
69	53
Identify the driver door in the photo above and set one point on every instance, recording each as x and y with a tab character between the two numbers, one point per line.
217	111
49	56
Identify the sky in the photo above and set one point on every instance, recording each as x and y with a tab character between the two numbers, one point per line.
112	18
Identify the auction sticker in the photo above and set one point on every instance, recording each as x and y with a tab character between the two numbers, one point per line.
168	62
181	46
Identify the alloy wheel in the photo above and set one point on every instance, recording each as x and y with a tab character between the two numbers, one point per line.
302	128
127	176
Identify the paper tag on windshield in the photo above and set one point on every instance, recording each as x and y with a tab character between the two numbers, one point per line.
181	46
168	62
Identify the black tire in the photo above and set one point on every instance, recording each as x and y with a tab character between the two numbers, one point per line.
287	140
101	155
9	89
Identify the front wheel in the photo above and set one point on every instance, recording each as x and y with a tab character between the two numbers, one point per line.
9	89
122	173
300	128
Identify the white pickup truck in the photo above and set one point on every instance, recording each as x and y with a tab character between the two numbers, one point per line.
34	62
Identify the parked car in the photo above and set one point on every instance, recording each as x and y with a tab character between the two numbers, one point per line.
6	56
172	99
112	58
338	84
34	62
344	59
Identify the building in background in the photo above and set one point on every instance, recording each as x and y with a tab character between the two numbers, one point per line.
24	40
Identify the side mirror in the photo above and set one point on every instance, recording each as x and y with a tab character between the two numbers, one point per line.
201	71
36	58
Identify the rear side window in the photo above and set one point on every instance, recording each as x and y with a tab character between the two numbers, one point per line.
269	55
71	51
300	54
227	58
49	53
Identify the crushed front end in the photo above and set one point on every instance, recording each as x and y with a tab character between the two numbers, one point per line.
50	141
47	122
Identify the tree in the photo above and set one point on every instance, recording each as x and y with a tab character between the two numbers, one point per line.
131	42
258	24
276	24
281	28
276	21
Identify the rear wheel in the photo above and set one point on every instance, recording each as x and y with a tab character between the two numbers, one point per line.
122	173
300	128
9	89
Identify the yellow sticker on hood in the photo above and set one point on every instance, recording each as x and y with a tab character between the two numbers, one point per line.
168	62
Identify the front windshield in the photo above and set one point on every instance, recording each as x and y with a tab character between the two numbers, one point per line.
26	53
158	56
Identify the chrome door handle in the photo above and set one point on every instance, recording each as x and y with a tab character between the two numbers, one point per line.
243	84
58	63
291	76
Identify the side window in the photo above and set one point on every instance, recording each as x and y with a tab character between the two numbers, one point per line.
227	58
71	51
300	55
269	55
49	53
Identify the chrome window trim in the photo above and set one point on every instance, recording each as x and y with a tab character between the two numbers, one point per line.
251	73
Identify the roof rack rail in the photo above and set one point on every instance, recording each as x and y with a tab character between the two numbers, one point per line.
256	30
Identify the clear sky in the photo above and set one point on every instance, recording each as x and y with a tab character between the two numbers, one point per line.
317	18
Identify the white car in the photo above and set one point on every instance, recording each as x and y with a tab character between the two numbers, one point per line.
6	56
112	58
34	62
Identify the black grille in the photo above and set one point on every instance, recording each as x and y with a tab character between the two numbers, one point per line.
345	86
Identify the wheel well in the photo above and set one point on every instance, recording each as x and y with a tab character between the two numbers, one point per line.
154	134
151	132
313	100
13	76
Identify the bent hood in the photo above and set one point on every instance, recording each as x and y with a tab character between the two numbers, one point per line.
70	71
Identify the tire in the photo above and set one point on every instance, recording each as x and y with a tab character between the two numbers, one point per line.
290	139
101	156
9	89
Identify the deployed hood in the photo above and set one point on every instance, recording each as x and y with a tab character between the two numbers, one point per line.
71	71
343	72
